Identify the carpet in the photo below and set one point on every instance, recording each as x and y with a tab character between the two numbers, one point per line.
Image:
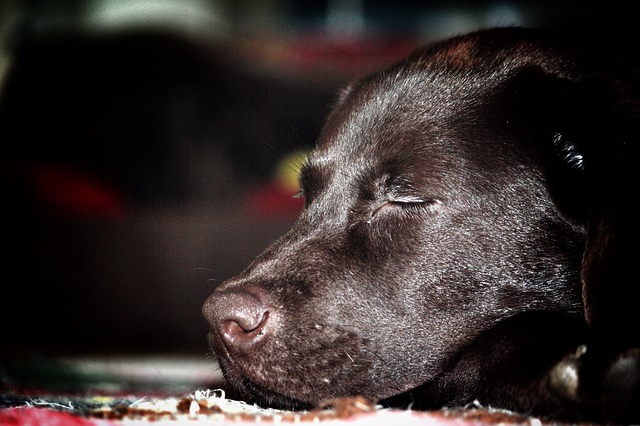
132	390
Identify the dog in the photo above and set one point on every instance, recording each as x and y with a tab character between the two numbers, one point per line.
469	234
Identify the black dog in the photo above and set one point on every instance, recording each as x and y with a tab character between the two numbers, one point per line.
469	234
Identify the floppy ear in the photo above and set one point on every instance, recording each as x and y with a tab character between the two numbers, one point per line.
597	135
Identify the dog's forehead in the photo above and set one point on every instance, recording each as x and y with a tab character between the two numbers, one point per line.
400	108
405	114
418	108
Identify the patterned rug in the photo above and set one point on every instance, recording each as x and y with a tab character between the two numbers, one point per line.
177	390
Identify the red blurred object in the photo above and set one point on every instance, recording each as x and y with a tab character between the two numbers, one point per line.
320	57
71	192
41	417
272	201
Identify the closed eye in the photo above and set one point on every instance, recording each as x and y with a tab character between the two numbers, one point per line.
409	204
407	199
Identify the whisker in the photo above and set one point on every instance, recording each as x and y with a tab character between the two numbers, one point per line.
274	152
348	356
203	269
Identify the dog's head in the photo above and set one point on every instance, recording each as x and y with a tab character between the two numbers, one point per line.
445	195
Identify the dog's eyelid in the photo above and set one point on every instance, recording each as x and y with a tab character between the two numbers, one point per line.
407	199
404	192
407	202
423	203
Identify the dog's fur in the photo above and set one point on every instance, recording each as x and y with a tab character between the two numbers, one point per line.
468	234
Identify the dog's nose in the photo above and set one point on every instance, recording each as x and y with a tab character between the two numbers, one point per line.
240	319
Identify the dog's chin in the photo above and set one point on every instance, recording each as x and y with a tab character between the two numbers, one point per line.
321	371
268	391
255	393
299	389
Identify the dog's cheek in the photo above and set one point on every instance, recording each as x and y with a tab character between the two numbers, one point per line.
312	364
387	236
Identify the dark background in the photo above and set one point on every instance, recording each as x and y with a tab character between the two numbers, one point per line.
140	142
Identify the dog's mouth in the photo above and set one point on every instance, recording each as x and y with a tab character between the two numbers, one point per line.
251	381
300	370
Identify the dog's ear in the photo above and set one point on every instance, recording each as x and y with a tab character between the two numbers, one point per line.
594	129
589	123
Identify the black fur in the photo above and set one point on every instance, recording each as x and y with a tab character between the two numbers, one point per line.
469	234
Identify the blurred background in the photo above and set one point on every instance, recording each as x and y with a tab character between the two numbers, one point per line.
148	148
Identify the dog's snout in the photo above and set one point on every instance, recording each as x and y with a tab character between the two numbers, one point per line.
240	319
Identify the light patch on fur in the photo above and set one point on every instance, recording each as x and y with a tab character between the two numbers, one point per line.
568	152
458	55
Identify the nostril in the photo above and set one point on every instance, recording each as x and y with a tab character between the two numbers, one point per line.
242	329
